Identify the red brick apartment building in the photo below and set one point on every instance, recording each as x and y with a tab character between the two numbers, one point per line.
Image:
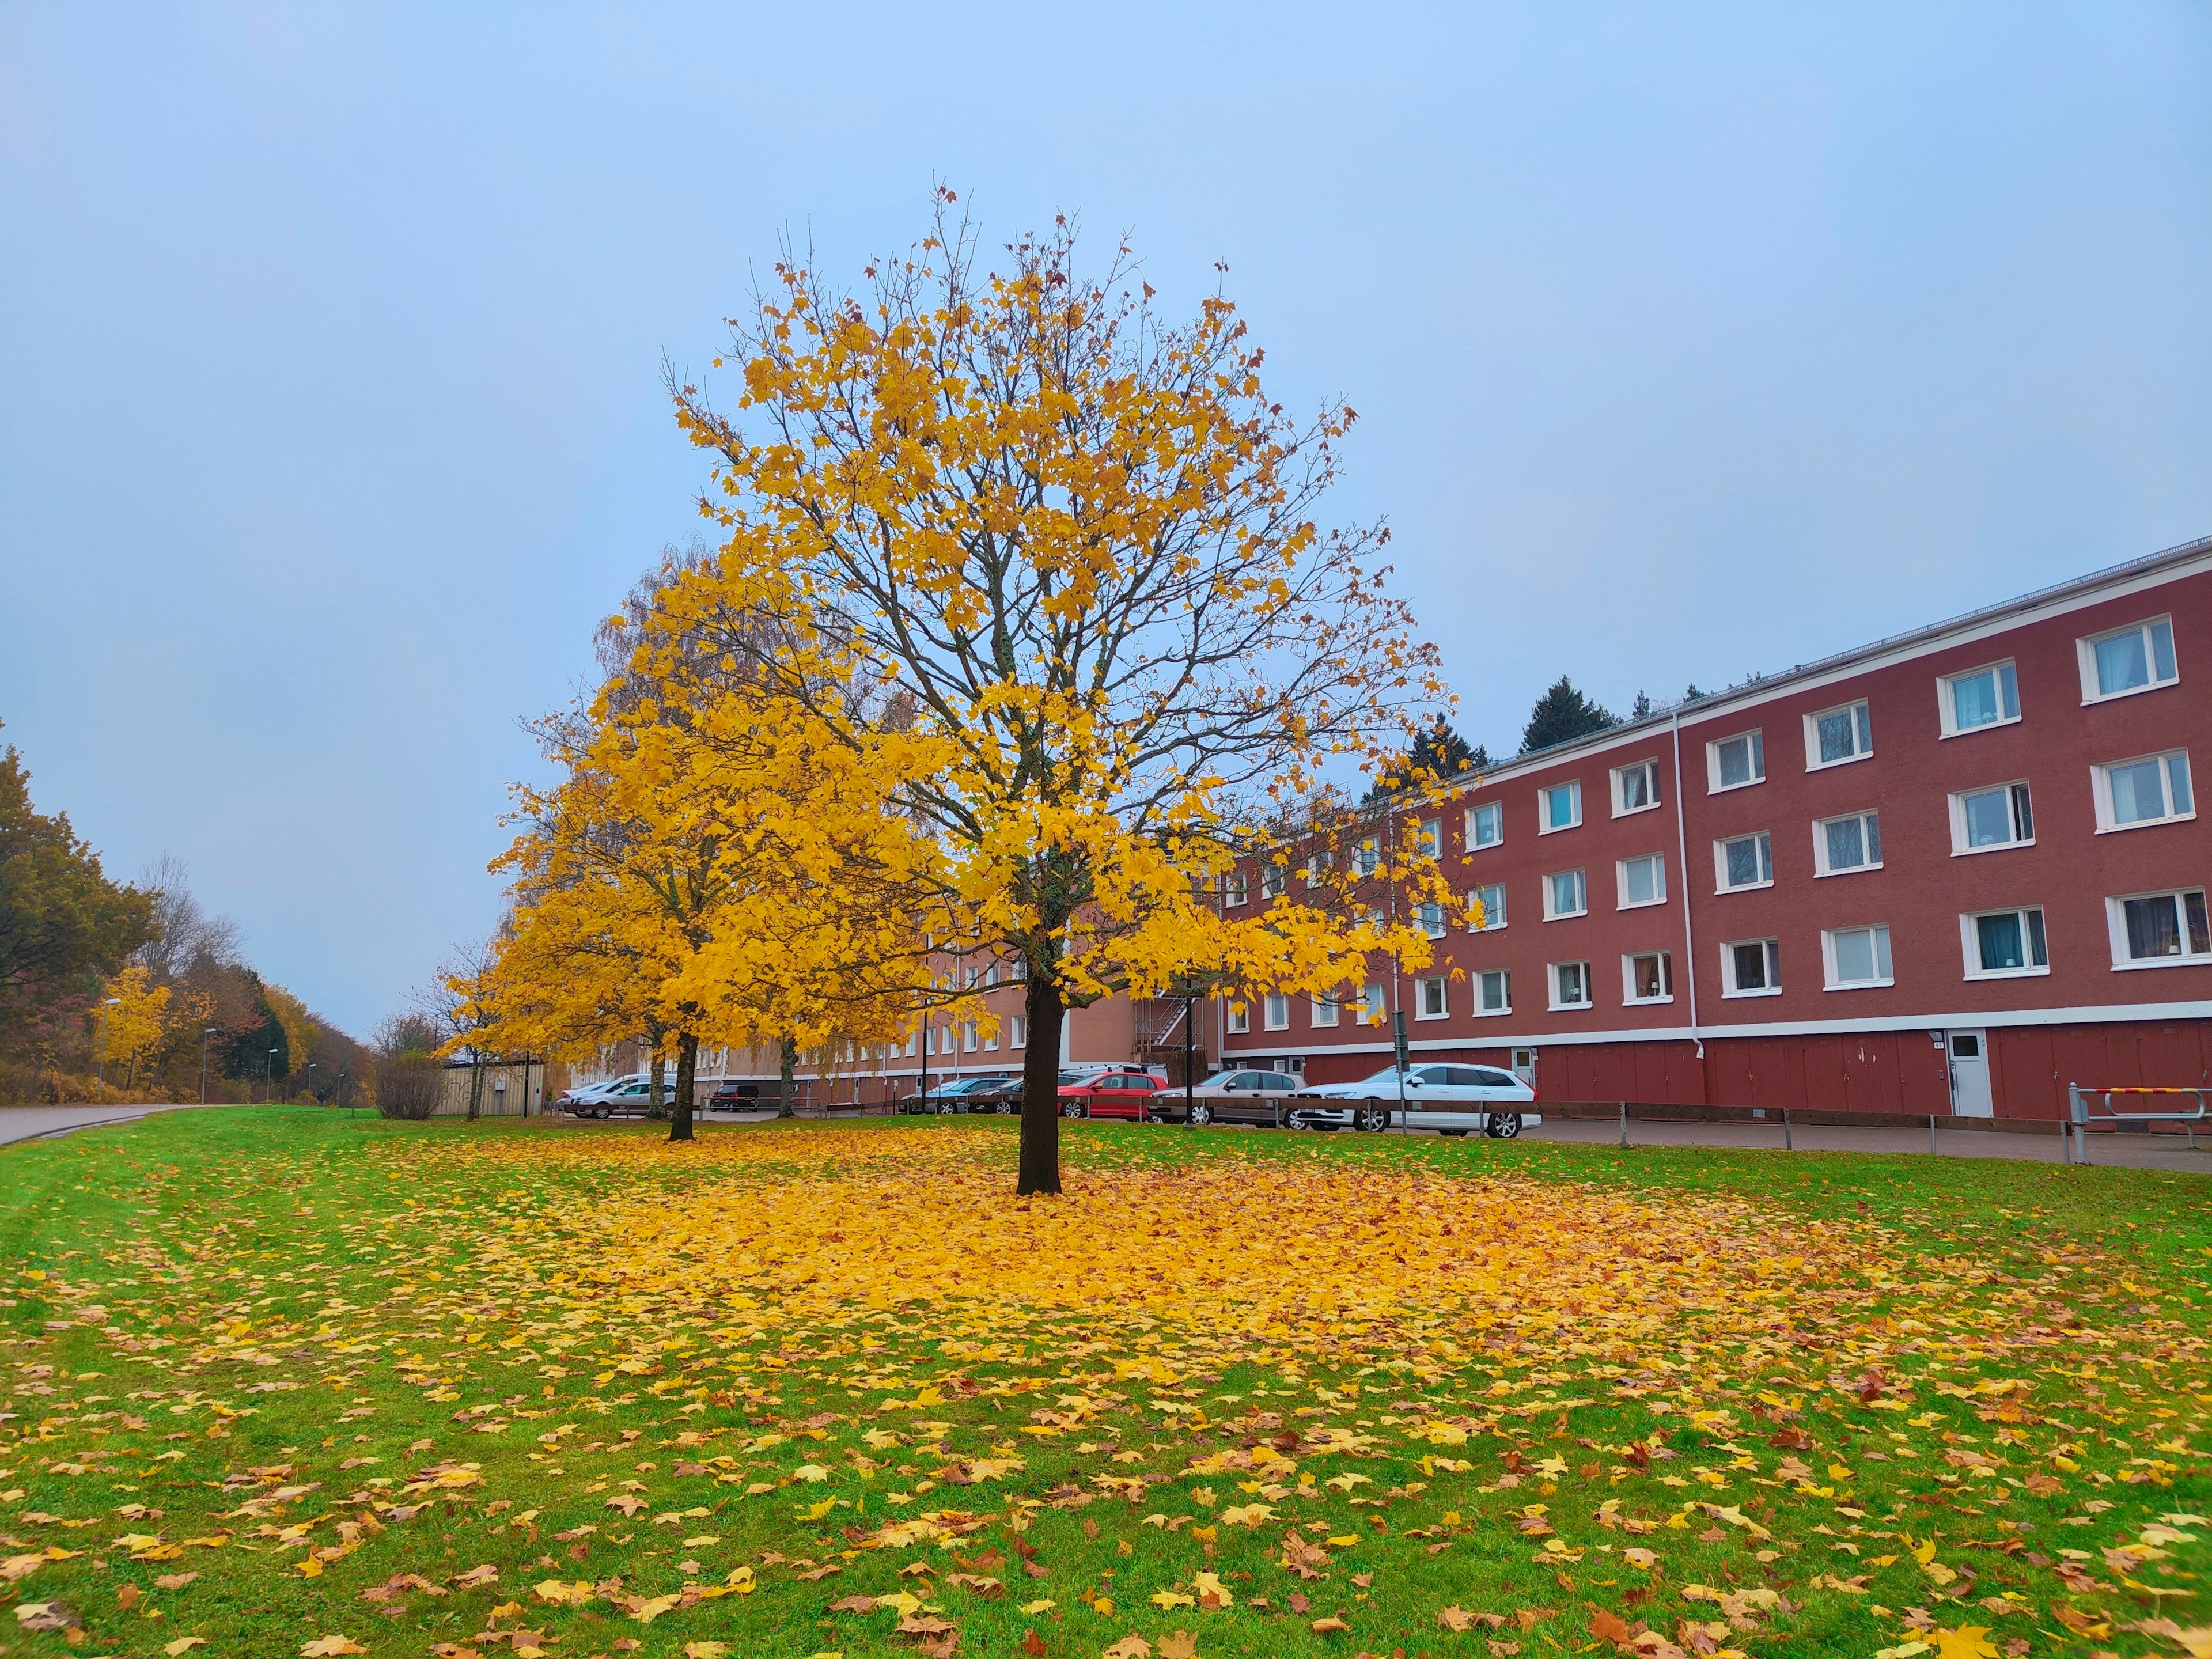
1950	871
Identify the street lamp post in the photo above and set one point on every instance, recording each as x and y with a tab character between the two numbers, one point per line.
269	1079
206	1034
311	1082
100	1060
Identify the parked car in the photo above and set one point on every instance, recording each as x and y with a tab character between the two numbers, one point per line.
1238	1095
1124	1092
730	1096
1453	1100
622	1096
954	1094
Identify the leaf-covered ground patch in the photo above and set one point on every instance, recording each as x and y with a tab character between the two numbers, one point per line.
282	1384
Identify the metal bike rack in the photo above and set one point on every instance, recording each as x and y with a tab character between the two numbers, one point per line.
2080	1117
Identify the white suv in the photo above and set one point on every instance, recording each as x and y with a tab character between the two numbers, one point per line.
1452	1099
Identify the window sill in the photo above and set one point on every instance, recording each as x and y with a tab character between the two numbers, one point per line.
1995	847
1558	829
1730	788
1633	812
1271	1029
1417	1018
1641	904
1489	927
1853	870
1571	1007
1493	1014
1864	985
1767	991
1986	725
2162	962
2095	698
1744	887
1485	846
2144	824
1830	766
1565	916
1645	1002
2008	973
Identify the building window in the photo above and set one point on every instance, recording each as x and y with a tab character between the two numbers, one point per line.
1751	968
1494	991
1372	1009
2158	930
1842	845
1018	1030
1565	894
991	1042
2152	790
1744	861
1838	735
1571	985
968	1036
1369	858
1277	1012
2005	944
1641	881
2128	659
1983	818
1986	696
1635	788
1232	889
1429	1000
1018	971
1317	865
1856	957
1647	977
1485	825
1240	1018
1432	916
1432	838
1736	762
1490	904
1560	807
1324	1011
1274	877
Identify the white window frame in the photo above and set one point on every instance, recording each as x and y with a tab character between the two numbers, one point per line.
968	1036
1552	985
1881	947
1018	1030
2116	922
1322	1011
1374	1004
1234	891
1488	925
1318	867
1628	961
2100	777
1821	865
1490	814
1755	743
1620	809
1770	960
2085	649
1581	886
1367	858
1275	1012
1766	862
991	1042
1970	941
1431	838
1274	880
1477	984
1240	1018
1432	985
1658	861
2015	792
1429	916
1862	733
1544	824
2007	675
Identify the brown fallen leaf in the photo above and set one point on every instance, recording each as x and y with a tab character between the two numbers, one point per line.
854	1604
1299	1603
1328	1625
1364	1580
1178	1644
126	1596
1130	1647
330	1647
822	1573
1608	1627
1454	1619
175	1580
45	1615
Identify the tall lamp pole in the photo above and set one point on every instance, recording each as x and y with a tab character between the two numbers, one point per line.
100	1060
269	1079
206	1034
311	1082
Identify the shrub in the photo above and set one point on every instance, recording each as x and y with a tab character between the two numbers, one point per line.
409	1086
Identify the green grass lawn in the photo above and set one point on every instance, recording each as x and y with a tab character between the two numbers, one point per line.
286	1382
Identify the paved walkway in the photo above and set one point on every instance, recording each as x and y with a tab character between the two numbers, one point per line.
2130	1151
31	1123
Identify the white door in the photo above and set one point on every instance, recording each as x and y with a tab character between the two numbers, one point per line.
1970	1074
1524	1066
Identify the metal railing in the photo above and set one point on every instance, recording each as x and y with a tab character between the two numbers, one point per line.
2074	1128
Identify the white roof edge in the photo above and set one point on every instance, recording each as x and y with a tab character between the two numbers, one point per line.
2059	596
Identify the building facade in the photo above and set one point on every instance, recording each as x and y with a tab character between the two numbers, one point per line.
1952	871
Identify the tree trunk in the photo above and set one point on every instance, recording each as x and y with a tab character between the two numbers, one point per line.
686	1068
1040	1165
656	1103
476	1089
787	1063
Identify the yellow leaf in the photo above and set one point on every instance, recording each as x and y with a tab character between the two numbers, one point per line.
183	1644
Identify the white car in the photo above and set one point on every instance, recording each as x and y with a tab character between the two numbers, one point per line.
1449	1098
633	1093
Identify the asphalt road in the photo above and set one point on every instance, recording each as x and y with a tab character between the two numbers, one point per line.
30	1122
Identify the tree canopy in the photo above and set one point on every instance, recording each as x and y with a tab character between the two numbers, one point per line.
1562	714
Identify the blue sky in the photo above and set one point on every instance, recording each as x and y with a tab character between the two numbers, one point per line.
1688	341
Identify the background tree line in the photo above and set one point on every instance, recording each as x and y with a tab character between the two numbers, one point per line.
113	990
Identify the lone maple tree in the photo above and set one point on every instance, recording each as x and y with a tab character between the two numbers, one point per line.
1045	565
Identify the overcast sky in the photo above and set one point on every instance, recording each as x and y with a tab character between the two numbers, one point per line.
1688	341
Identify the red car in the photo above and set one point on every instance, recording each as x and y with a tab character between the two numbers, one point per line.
1123	1093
